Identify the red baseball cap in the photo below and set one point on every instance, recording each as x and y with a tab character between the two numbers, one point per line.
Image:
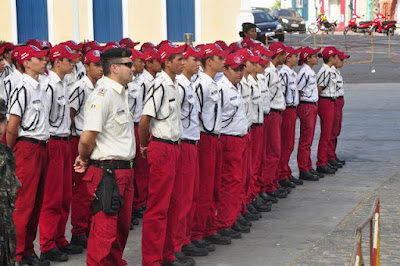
7	46
343	56
73	45
213	49
261	61
223	45
92	45
234	60
137	54
127	43
62	51
93	56
162	43
45	44
29	51
191	51
234	46
200	46
248	55
277	47
33	42
15	52
308	51
329	51
167	50
146	45
248	42
264	51
2	50
150	54
113	43
108	47
291	51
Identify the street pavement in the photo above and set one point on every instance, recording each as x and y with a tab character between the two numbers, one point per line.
316	224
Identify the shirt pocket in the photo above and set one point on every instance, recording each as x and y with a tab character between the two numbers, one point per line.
32	115
214	93
121	122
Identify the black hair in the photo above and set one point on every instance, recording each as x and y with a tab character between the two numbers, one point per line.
204	60
326	59
170	58
23	68
246	27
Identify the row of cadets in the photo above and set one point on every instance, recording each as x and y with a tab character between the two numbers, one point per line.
58	188
162	117
8	65
79	70
78	95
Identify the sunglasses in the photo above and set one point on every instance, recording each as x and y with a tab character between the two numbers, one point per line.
128	64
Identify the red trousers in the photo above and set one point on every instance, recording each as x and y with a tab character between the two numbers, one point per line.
307	114
257	141
109	231
337	127
141	180
160	218
31	168
288	132
210	153
185	190
228	202
57	196
326	111
246	173
81	212
272	152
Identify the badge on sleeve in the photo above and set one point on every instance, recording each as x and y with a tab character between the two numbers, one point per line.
95	106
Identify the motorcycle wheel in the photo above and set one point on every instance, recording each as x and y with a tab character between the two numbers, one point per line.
390	31
331	29
313	28
346	30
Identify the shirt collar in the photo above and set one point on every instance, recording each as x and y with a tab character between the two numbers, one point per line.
245	80
252	80
54	76
309	69
272	66
34	83
146	74
183	80
88	82
288	69
206	77
113	84
167	78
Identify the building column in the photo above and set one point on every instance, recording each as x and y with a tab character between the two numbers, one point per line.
50	21
245	15
125	19
90	20
14	27
197	21
164	29
75	17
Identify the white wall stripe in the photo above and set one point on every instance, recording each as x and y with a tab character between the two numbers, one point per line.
90	36
164	29
50	21
197	19
125	19
75	16
14	25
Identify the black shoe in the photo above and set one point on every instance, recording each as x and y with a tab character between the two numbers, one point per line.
71	249
229	232
183	258
287	183
325	169
177	262
204	243
332	167
320	175
286	189
252	209
135	221
260	206
241	228
308	176
296	181
267	197
278	194
34	260
251	216
241	220
340	161
335	163
219	239
79	240
54	254
192	251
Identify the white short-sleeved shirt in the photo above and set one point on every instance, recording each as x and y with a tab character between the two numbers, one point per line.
208	95
136	96
245	91
57	100
78	95
78	72
107	112
7	70
163	105
307	84
275	88
339	83
189	109
256	100
10	83
148	80
326	78
234	120
266	103
29	102
289	80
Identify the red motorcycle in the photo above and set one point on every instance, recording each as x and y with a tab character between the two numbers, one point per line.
361	27
387	27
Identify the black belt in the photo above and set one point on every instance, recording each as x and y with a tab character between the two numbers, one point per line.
291	106
276	111
266	114
167	141
42	143
136	124
340	97
188	141
60	138
328	98
236	136
313	103
116	164
211	134
257	125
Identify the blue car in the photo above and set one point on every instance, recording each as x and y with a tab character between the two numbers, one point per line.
267	27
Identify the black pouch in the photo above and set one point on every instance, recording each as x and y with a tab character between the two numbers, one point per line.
108	197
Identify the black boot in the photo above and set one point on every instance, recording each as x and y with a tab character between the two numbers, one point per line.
229	232
54	254
287	183
296	181
241	228
204	243
267	197
79	240
308	176
194	251
260	206
34	260
320	175
218	239
278	194
241	220
335	163
180	256
325	169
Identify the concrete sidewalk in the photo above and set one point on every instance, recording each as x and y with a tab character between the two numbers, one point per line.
315	225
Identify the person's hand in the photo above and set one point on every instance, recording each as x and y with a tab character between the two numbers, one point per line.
80	166
143	151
